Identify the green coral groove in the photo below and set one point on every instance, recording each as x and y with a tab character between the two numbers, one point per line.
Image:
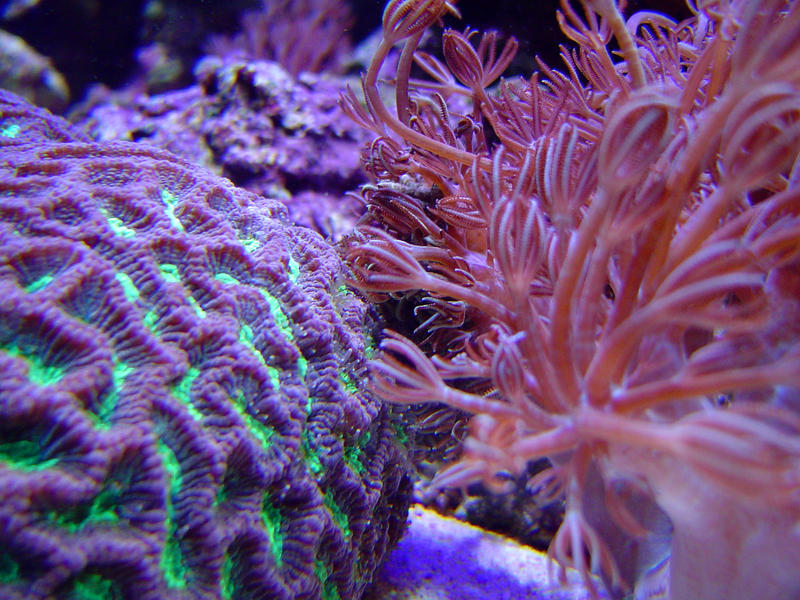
39	284
171	558
262	432
131	292
39	372
92	586
170	202
24	455
10	131
271	517
118	226
9	568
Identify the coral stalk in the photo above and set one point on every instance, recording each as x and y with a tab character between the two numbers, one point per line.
626	263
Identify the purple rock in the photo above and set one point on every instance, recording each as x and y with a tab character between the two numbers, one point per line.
253	122
441	557
182	402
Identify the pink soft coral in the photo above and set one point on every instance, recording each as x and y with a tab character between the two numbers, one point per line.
614	283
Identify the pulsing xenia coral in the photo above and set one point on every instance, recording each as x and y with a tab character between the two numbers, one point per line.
605	269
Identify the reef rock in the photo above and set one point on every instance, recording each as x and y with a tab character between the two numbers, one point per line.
252	121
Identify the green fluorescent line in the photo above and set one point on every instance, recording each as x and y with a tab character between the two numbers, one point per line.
251	244
109	403
349	385
131	292
92	586
172	274
262	432
39	373
329	591
339	516
272	521
314	463
24	455
171	557
227	583
9	568
182	389
170	201
10	131
39	284
118	226
247	337
294	269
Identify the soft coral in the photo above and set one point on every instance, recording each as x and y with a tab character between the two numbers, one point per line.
613	286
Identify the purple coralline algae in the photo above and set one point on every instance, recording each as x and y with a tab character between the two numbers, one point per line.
182	411
252	121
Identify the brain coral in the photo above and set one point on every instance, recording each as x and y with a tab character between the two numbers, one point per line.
181	411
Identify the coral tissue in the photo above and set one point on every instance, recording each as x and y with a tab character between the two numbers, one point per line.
603	267
182	414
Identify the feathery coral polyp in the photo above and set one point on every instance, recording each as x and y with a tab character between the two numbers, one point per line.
614	283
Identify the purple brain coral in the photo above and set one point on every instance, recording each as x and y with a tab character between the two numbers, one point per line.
181	410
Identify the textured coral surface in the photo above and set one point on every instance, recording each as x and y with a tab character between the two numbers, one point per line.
181	412
255	123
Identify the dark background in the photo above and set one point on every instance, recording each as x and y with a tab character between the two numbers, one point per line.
95	41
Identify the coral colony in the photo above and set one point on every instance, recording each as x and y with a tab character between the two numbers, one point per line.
604	267
181	404
599	265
